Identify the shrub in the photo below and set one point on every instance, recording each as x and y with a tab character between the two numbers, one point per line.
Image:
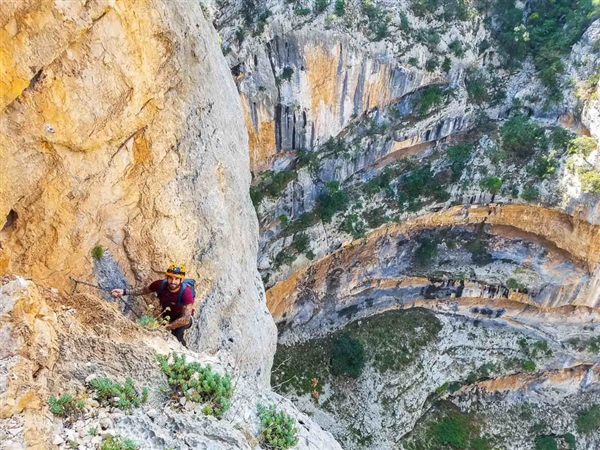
110	442
432	64
284	258
521	137
122	396
570	440
590	181
458	156
446	65
428	98
512	283
321	5
545	443
307	159
491	184
560	138
353	225
287	75
582	145
412	61
544	166
588	420
98	252
453	430
425	252
456	48
301	242
530	194
283	219
378	20
277	431
483	88
332	201
340	8
198	383
528	366
301	11
65	405
348	356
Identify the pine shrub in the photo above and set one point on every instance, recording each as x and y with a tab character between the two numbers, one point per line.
122	396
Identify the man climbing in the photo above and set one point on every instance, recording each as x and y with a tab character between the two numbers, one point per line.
175	292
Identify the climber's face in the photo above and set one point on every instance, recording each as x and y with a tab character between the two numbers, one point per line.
173	283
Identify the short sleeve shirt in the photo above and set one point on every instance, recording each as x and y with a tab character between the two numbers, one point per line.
169	299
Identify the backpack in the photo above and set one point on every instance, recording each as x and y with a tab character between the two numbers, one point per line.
187	282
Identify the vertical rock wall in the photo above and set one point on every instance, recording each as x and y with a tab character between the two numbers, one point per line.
121	127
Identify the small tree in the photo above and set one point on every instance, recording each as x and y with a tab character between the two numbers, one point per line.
491	184
521	137
348	356
582	145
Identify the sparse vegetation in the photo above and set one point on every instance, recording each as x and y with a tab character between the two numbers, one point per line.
491	184
582	145
378	20
588	420
65	406
521	137
110	442
278	430
98	252
590	181
122	396
271	184
428	98
198	383
348	356
425	253
332	201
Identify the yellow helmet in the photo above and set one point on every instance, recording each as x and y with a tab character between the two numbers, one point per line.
176	270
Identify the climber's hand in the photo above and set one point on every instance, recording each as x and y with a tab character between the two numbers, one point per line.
116	293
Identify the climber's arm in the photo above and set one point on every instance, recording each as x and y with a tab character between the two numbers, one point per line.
183	320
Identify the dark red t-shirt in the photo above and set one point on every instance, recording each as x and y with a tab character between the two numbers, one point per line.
168	298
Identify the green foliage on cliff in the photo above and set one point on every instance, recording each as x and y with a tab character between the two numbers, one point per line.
332	201
425	253
427	99
110	442
271	184
391	341
484	88
588	420
546	443
277	428
521	137
446	427
65	405
123	396
340	8
353	225
347	356
590	181
377	20
98	252
458	155
198	383
582	145
491	184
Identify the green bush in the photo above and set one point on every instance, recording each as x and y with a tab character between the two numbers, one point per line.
458	155
332	201
432	64
512	283
98	252
340	8
428	98
307	159
284	258
521	137
348	356
452	430
582	145
456	48
65	405
483	88
378	20
353	225
530	194
588	420
590	181
271	184
560	138
545	443
110	442
412	61
528	366
301	242
286	74
278	430
425	253
446	65
491	184
570	440
198	383
321	5
544	166
301	11
122	396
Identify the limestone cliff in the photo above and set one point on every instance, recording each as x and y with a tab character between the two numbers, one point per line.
121	128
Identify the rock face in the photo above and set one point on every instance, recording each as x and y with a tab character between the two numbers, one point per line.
121	128
55	344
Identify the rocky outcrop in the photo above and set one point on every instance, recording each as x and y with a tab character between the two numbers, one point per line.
121	128
55	344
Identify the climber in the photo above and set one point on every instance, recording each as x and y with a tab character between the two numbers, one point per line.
175	292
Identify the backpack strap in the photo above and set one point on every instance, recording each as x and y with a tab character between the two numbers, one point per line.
162	287
184	286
